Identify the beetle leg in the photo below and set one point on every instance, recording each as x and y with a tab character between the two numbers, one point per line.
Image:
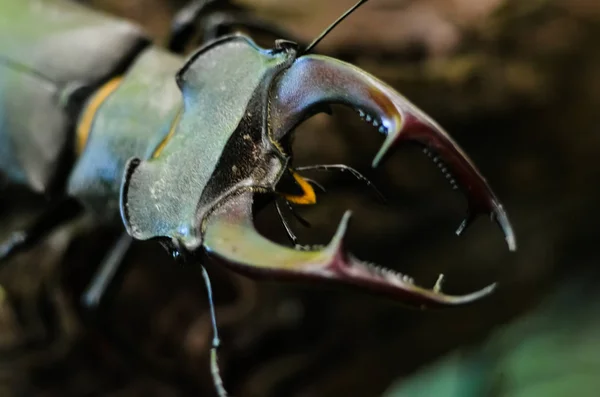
56	215
183	26
314	80
216	24
216	342
107	272
229	235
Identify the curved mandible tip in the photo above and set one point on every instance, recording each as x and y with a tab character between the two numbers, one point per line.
315	81
230	236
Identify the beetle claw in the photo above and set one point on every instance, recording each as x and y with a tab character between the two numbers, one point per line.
465	224
499	215
315	80
231	237
455	165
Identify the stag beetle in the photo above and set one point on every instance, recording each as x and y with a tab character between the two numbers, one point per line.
176	149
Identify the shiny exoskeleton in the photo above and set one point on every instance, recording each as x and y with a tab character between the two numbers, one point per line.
96	116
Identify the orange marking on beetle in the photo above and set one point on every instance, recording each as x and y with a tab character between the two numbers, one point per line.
167	138
309	197
87	119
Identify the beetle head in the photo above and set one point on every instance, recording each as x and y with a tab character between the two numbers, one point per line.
219	144
240	103
306	87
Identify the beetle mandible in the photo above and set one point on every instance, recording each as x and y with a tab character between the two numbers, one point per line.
176	149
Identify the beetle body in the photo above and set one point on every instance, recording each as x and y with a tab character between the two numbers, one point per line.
130	115
110	113
234	152
49	52
176	149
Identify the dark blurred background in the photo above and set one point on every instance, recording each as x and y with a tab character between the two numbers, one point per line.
515	82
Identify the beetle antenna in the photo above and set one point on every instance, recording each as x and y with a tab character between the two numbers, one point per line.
332	26
298	217
317	184
287	227
214	364
342	168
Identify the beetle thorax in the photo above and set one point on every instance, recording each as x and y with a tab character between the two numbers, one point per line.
221	144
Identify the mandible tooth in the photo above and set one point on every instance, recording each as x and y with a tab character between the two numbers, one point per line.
438	284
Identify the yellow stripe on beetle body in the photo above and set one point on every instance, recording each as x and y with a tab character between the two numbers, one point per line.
308	197
167	138
85	125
